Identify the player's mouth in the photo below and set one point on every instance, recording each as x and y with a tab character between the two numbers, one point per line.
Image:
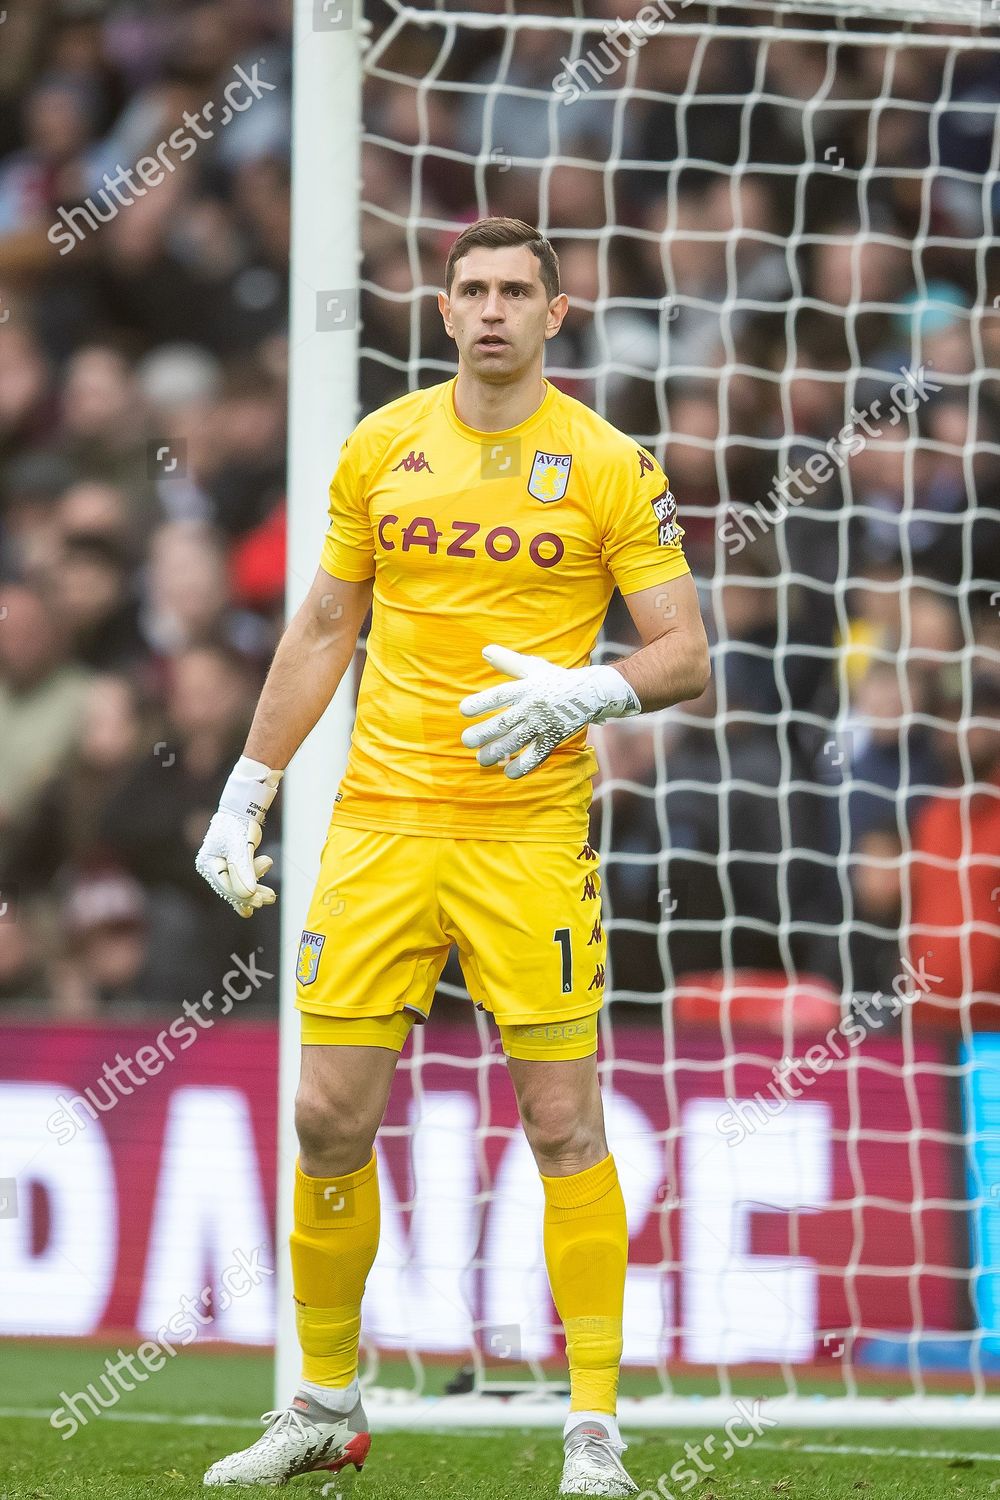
492	342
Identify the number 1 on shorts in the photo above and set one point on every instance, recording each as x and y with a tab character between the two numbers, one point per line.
561	936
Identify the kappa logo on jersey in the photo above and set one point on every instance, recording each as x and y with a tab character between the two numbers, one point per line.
549	478
665	511
645	464
310	948
414	463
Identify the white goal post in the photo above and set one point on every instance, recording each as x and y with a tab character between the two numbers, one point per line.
323	385
459	1278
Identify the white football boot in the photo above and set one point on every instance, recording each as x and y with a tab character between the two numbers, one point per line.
593	1463
303	1438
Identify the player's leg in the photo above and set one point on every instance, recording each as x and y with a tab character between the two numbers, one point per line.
586	1251
342	1094
528	920
369	960
346	1074
585	1231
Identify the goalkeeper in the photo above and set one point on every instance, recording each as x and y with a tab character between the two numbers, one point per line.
486	521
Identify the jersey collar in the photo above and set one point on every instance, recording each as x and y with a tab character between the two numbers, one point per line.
538	416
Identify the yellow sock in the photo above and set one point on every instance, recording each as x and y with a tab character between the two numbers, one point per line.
333	1246
586	1252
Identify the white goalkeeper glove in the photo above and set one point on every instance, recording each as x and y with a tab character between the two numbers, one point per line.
226	859
543	707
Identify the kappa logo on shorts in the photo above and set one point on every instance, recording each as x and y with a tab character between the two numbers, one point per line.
310	949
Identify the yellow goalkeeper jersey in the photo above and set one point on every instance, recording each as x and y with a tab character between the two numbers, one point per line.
516	537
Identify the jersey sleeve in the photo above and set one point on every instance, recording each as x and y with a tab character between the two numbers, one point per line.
641	539
349	546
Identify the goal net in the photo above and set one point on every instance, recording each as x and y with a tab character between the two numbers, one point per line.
776	232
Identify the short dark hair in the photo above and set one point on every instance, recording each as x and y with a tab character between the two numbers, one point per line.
495	233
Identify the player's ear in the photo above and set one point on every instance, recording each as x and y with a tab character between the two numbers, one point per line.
444	308
558	308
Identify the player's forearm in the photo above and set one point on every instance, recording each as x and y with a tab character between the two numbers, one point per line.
315	651
299	686
312	656
673	669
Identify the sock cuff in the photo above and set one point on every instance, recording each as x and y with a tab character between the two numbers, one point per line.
344	1183
582	1188
602	1418
339	1398
319	1199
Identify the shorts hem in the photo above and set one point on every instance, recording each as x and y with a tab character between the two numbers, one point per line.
356	1013
390	1032
554	1054
544	1017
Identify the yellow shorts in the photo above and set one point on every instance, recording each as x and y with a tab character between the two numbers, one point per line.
526	919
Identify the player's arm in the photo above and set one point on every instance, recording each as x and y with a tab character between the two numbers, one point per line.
672	665
545	704
313	654
312	657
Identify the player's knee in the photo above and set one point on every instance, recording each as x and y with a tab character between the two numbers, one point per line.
335	1134
559	1135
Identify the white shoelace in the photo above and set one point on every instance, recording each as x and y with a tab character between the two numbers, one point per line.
279	1422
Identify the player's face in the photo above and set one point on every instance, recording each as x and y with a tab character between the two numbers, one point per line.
499	313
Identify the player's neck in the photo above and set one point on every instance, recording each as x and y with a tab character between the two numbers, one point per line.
495	408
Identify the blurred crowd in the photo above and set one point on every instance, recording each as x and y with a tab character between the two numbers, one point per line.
758	241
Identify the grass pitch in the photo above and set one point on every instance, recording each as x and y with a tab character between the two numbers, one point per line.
156	1441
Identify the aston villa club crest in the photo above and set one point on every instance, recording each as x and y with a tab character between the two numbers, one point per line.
665	511
310	948
549	478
